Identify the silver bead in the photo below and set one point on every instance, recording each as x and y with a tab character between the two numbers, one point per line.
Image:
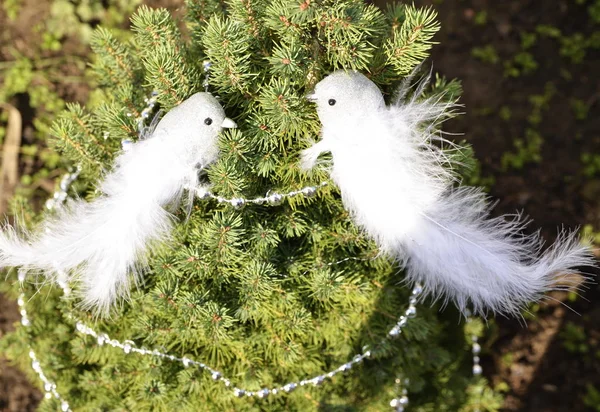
47	395
417	290
21	276
202	193
475	359
32	354
263	393
237	202
102	339
402	321
289	387
48	387
64	406
357	359
309	191
318	380
216	375
412	300
127	348
394	332
476	348
25	322
275	199
239	392
345	367
477	370
403	401
411	312
395	403
36	366
186	362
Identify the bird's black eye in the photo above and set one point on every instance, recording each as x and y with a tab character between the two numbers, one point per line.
331	102
208	121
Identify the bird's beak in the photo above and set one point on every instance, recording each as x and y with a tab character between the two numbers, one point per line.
311	97
228	123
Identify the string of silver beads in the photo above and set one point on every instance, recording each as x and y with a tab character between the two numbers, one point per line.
128	347
273	199
400	403
50	390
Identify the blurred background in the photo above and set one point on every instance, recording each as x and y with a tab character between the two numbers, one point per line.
529	70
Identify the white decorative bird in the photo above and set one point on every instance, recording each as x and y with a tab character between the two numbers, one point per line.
399	186
102	242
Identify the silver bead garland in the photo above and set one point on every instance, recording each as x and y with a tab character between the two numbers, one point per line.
273	199
206	68
128	348
55	202
475	349
399	404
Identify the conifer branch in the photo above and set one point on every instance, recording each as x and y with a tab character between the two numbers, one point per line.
409	45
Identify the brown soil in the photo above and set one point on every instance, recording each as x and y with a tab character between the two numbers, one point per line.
542	375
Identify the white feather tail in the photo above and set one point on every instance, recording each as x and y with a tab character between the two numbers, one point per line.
461	255
99	244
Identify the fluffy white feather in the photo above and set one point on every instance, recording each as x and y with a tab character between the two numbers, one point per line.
102	242
397	185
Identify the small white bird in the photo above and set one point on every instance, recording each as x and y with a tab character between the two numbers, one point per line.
399	187
102	242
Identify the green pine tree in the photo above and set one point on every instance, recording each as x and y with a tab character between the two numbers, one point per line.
251	291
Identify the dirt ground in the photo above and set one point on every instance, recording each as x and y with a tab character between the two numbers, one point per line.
543	374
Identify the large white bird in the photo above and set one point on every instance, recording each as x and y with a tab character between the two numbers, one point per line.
103	242
399	186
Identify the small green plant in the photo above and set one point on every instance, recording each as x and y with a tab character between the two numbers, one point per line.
523	63
11	8
592	397
594	11
574	338
591	164
573	47
548	31
528	40
580	108
481	18
528	150
590	234
505	113
486	54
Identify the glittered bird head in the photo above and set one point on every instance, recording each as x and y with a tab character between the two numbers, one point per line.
193	128
346	97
